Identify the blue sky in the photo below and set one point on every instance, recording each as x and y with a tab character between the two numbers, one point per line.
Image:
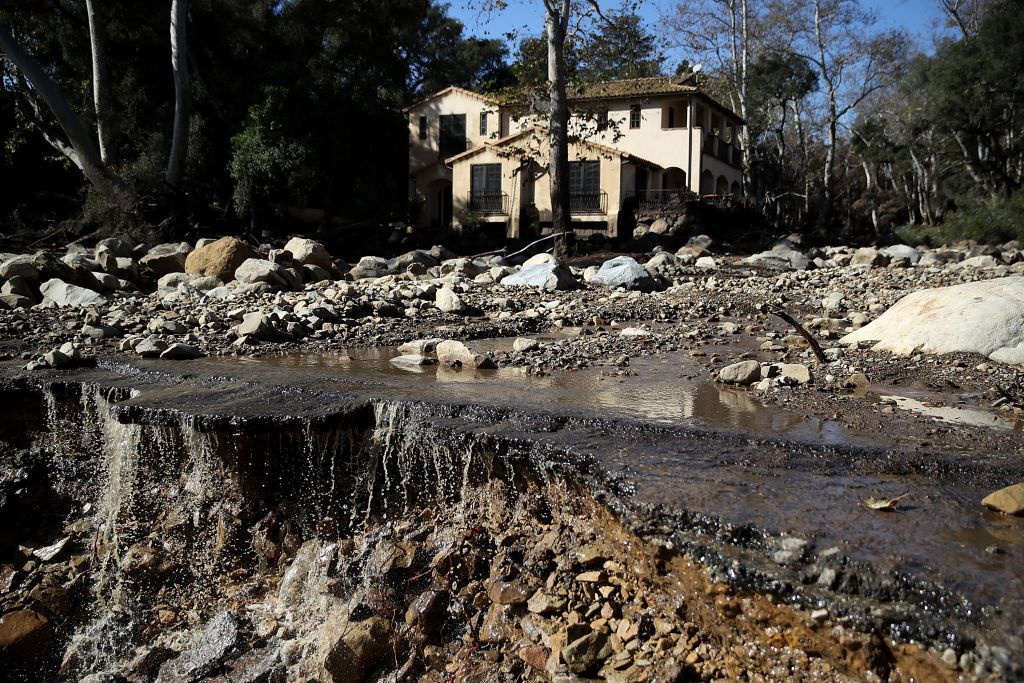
920	18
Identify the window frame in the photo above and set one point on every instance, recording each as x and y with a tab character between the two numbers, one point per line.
635	116
483	123
491	173
423	128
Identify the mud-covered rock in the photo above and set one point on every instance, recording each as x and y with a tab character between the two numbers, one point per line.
219	259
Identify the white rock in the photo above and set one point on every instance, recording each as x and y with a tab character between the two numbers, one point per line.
981	317
63	294
742	373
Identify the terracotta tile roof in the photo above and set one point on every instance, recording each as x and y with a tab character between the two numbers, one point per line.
634	87
488	145
450	88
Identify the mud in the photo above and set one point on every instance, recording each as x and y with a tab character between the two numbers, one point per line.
750	515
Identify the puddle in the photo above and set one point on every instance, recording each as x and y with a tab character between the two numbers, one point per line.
950	414
654	391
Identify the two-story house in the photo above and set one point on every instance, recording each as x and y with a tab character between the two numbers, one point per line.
640	145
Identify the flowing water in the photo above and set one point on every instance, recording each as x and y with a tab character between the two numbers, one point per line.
181	460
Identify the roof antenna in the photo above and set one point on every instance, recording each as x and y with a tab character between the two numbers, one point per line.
697	67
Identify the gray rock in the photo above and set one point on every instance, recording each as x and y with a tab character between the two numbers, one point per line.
13	301
260	327
255	270
624	271
706	262
981	262
22	265
400	264
447	301
869	256
548	276
179	351
64	294
369	267
114	245
903	251
413	360
20	286
660	262
418	347
457	354
780	257
659	227
101	331
309	252
742	373
150	347
525	344
166	258
584	654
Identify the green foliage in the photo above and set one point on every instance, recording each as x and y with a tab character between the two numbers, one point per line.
263	157
987	220
619	48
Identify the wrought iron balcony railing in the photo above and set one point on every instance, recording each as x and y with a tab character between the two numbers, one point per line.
588	202
494	203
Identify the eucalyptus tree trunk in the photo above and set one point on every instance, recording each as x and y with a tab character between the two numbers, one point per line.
740	35
81	152
832	119
556	27
182	94
100	83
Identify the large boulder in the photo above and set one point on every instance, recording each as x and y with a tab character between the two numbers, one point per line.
780	257
624	271
400	264
742	373
457	354
869	256
980	317
903	251
983	262
19	266
166	258
64	294
369	267
220	258
550	276
309	252
255	270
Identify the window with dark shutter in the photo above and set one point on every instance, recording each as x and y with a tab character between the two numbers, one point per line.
485	195
585	186
634	116
452	135
423	128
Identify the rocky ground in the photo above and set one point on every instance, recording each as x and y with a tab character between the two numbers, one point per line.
594	311
559	593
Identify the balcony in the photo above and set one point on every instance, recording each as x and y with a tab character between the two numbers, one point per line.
489	203
655	200
588	203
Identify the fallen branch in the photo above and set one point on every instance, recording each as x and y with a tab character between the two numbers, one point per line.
815	346
542	239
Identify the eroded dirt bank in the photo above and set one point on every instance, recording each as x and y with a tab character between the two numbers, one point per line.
189	526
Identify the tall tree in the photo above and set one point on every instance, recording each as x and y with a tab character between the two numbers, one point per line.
39	89
619	47
853	61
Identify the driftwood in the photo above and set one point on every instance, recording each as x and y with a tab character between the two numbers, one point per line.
815	346
536	242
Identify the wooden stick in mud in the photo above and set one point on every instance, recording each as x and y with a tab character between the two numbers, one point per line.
815	346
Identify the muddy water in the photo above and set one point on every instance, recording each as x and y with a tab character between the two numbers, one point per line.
653	391
941	533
